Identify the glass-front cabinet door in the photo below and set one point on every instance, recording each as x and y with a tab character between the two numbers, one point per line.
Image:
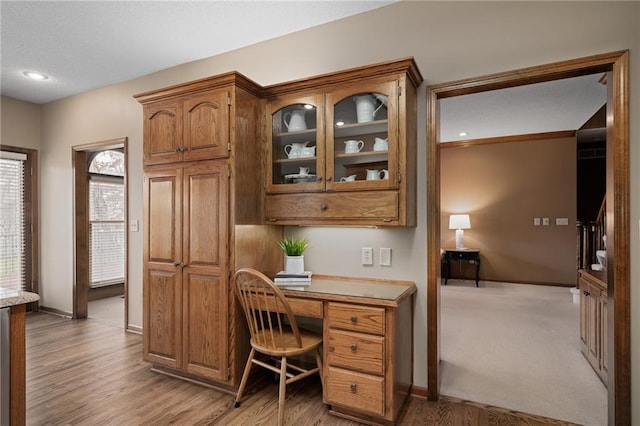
296	148
362	137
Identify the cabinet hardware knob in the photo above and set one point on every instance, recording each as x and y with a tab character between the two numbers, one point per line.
182	264
328	178
354	346
318	178
183	148
176	149
176	263
323	206
353	387
354	319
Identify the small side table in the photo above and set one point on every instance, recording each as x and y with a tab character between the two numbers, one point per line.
471	255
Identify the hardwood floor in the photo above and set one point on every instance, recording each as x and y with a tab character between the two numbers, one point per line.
84	372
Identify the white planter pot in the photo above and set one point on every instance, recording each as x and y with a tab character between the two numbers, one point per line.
294	264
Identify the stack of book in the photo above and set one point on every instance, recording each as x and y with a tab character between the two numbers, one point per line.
289	280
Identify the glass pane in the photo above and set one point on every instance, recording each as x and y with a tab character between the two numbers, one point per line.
106	201
106	253
361	141
294	144
108	163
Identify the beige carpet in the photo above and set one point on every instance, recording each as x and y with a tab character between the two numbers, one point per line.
517	346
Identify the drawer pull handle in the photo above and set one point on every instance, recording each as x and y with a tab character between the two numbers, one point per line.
354	346
353	387
354	319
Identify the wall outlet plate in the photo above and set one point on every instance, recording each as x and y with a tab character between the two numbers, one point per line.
385	256
367	256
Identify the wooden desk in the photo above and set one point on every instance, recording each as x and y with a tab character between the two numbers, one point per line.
368	343
471	255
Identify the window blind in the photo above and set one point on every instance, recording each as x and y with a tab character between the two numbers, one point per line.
12	223
106	231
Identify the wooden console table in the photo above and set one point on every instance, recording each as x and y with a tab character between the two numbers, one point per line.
471	255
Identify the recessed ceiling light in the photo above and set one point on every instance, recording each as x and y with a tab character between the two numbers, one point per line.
339	123
307	106
463	134
35	75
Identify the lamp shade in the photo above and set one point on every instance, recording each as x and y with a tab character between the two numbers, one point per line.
459	221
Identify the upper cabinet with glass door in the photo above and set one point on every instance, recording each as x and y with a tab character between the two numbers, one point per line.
342	147
362	138
296	127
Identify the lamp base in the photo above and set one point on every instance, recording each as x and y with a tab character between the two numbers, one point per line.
460	239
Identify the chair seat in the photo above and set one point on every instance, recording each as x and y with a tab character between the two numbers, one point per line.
287	346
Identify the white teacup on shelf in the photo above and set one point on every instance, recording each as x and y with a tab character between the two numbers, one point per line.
294	150
350	178
304	171
308	151
352	146
381	144
373	174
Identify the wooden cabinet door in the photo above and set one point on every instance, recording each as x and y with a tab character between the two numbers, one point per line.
205	274
162	281
593	340
206	125
162	132
604	335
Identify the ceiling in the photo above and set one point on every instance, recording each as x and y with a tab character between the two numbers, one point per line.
84	45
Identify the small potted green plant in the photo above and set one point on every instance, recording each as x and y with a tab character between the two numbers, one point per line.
293	249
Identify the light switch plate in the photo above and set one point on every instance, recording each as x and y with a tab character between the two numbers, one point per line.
133	226
561	221
385	256
367	256
536	221
545	221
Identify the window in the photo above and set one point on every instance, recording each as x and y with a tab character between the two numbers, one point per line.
13	255
106	219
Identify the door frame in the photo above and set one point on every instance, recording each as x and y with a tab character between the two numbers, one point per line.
616	65
80	154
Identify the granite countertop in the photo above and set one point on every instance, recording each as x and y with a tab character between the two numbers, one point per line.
10	297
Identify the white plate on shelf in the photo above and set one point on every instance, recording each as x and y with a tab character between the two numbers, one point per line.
298	176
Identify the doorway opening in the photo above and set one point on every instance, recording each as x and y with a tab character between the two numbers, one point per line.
617	205
100	249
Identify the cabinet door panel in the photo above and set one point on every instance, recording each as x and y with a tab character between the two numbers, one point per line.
162	132
206	125
162	316
205	245
206	325
164	216
162	288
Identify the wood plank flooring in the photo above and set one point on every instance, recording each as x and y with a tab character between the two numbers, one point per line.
88	373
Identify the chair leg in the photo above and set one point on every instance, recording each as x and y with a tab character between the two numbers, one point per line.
245	376
282	392
319	362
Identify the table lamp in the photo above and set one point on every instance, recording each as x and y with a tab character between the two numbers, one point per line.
459	222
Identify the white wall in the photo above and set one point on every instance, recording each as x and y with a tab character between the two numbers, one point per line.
449	41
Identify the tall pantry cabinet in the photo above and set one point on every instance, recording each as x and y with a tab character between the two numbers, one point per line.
202	216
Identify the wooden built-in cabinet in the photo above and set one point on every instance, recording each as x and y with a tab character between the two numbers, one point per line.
193	127
342	148
202	221
593	320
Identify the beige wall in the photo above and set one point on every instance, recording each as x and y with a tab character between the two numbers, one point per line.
20	123
502	187
450	40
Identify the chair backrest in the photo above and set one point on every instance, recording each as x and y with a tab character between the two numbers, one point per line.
265	308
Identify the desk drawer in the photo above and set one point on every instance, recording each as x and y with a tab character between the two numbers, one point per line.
357	391
355	318
461	255
299	306
356	351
